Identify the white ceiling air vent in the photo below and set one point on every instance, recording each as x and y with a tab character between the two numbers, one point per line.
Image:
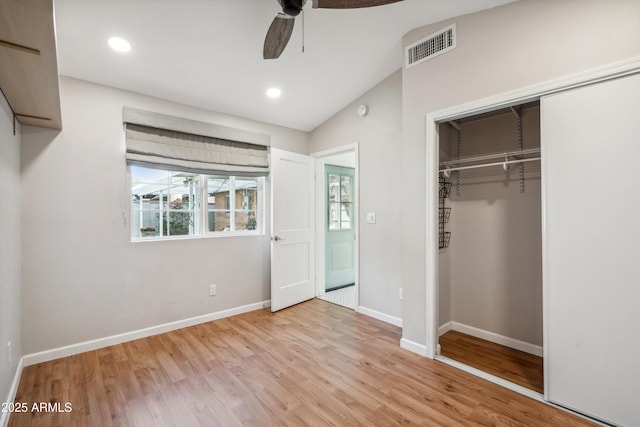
431	46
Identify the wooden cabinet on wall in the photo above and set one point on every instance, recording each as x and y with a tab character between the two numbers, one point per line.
28	62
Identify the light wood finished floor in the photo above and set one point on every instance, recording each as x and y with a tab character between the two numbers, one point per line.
512	365
313	364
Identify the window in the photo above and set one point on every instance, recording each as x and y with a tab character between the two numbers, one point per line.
340	202
191	178
166	204
232	203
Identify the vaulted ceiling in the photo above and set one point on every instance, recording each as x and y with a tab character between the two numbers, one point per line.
208	53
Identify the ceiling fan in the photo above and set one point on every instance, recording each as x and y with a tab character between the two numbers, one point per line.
281	28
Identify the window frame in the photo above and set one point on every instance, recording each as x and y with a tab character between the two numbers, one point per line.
202	225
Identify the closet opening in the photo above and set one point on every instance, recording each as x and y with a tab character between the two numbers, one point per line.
489	282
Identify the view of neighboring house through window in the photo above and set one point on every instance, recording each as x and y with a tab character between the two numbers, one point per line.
174	203
232	203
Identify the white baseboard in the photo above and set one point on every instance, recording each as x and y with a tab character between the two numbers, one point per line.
4	416
491	336
70	350
396	321
414	347
443	329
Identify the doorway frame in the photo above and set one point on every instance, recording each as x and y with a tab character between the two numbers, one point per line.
321	158
432	144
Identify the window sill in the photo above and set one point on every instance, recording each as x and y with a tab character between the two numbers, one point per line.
198	237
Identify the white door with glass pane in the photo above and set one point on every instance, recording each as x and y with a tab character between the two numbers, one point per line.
292	229
339	227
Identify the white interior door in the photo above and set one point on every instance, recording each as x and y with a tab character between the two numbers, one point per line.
591	246
292	229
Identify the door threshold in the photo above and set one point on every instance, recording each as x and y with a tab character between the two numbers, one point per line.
492	378
335	288
514	387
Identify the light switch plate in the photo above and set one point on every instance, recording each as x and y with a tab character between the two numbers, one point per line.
371	218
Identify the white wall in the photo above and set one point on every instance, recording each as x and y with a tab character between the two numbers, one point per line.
10	262
82	277
495	263
380	169
498	50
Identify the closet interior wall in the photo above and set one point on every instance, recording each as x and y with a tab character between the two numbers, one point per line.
490	276
448	137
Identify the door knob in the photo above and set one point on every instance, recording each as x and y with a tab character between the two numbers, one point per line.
276	238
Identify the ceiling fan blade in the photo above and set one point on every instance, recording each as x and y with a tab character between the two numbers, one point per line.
278	36
350	4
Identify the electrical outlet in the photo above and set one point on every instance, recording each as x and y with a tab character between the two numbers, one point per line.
9	353
212	290
400	294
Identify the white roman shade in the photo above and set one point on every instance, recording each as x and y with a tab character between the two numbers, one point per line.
158	140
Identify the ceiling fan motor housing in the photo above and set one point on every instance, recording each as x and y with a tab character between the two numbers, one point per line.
292	7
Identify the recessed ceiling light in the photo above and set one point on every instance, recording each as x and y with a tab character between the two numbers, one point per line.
274	92
121	45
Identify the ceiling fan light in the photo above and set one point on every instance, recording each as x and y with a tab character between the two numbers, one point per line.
291	11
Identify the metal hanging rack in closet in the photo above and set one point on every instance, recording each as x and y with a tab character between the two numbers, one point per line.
518	156
449	165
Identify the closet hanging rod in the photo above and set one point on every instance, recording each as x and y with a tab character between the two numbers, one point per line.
508	162
515	153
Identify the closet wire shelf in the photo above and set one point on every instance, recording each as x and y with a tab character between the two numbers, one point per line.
444	240
445	213
508	157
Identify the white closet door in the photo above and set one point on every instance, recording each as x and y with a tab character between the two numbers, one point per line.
591	169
